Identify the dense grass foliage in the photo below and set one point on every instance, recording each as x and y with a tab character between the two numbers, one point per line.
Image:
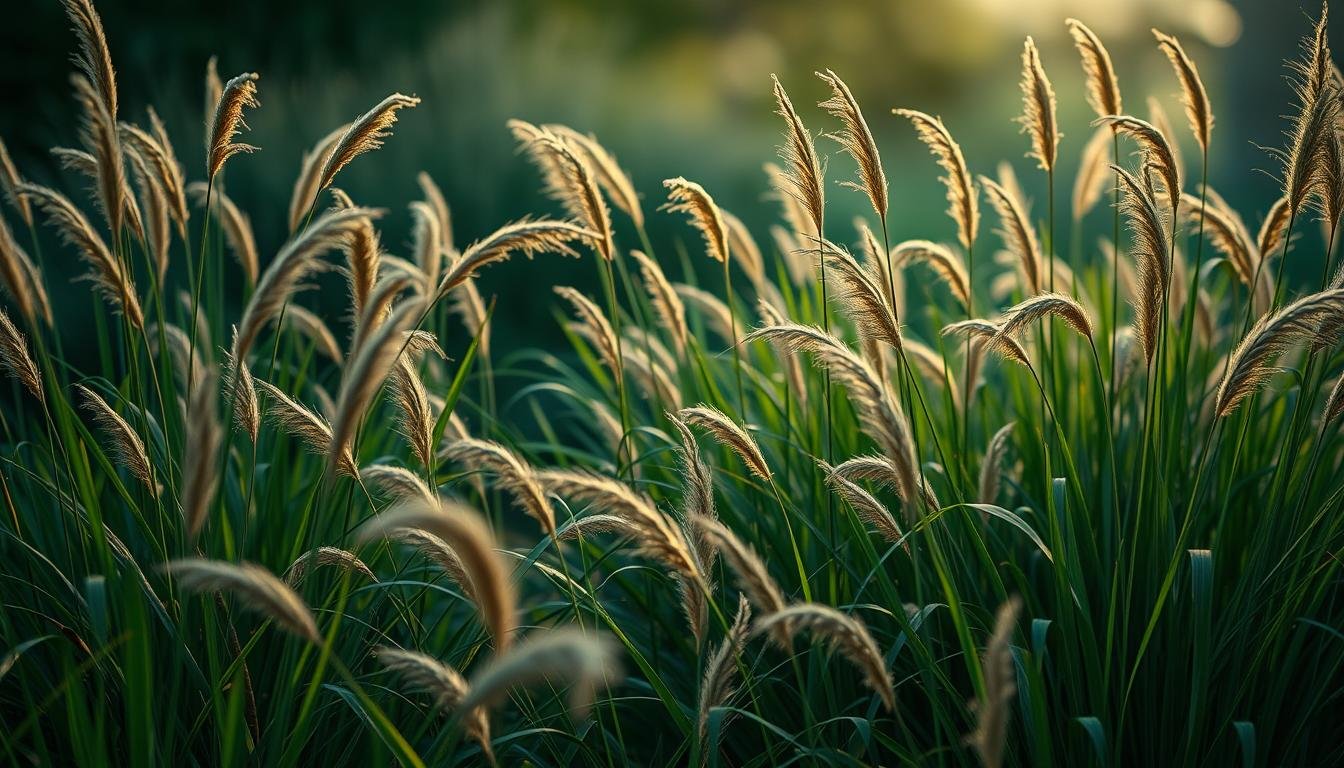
1067	492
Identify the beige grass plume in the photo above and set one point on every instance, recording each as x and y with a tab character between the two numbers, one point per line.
311	429
561	653
257	589
1317	319
95	85
992	712
1155	149
1038	108
845	634
751	574
326	557
1274	228
871	511
427	241
512	474
106	272
156	221
242	392
803	170
961	195
718	686
363	254
200	454
1103	87
163	168
1017	318
667	305
568	180
365	134
414	415
310	174
22	279
470	537
1150	251
711	308
598	329
1093	166
610	176
865	294
1334	403
434	197
227	123
985	332
857	140
728	433
1308	165
942	260
991	467
1017	232
309	326
237	228
444	684
525	237
691	199
9	185
15	358
1193	96
397	483
123	443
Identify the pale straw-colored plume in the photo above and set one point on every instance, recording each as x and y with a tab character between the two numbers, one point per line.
467	533
237	228
1317	319
697	500
173	180
296	260
1334	403
512	474
744	250
1274	228
9	185
597	329
214	91
156	221
525	237
881	262
654	534
369	365
718	686
711	308
397	483
668	308
867	468
941	259
200	453
123	443
363	254
750	572
443	684
1308	163
865	295
1157	115
95	85
802	169
1038	108
257	589
799	229
992	712
568	180
991	466
415	418
1103	87
610	176
93	60
162	167
1150	251
242	389
985	332
843	633
770	314
1018	318
326	557
691	199
1228	234
583	661
187	362
310	173
438	552
384	294
227	123
871	511
857	140
434	197
1193	96
21	278
1093	172
15	358
308	325
1017	232
728	433
105	271
365	134
427	241
1155	150
311	429
652	376
465	301
963	206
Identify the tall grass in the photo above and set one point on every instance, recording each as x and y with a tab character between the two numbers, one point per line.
1000	519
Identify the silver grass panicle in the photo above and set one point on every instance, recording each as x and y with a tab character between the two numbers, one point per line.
610	176
569	180
992	712
465	301
9	185
438	552
1274	228
22	279
1334	403
525	237
1017	232
941	259
242	392
214	91
1038	108
308	325
802	169
186	362
750	572
1193	96
793	369
697	501
239	93
310	173
865	505
326	557
691	199
598	328
1093	168
961	195
365	134
743	249
845	634
368	367
728	433
95	84
713	311
414	415
655	535
397	483
857	140
173	180
434	198
1103	87
1155	150
1157	115
991	467
200	453
427	243
257	590
376	309
444	684
881	262
105	272
295	261
561	653
1317	319
865	295
363	255
123	443
311	429
1150	251
237	229
667	305
165	171
467	533
15	358
718	686
156	221
986	332
1307	163
512	474
1018	317
653	377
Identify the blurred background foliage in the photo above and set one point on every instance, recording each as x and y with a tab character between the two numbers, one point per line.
670	87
